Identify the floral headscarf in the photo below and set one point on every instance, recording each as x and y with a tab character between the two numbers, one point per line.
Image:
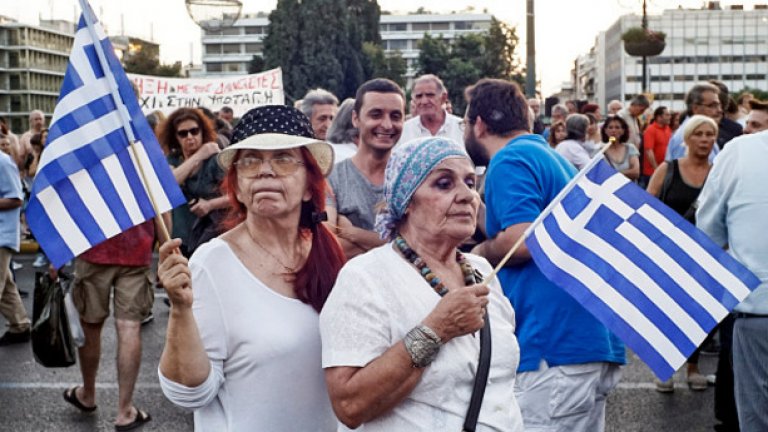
409	164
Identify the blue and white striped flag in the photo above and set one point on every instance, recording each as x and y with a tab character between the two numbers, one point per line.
650	276
88	186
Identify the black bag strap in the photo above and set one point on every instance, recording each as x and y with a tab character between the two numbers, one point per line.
483	368
668	178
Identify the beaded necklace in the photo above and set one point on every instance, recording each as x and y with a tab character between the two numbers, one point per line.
428	274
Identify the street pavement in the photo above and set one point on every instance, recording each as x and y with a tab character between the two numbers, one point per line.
31	395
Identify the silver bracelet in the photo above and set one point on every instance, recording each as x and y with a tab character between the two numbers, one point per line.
422	344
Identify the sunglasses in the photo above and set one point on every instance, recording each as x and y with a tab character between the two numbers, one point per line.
184	132
250	166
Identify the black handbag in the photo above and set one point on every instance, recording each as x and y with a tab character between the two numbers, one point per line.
483	368
52	342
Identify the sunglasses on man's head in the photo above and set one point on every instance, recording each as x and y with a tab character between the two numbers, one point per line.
184	132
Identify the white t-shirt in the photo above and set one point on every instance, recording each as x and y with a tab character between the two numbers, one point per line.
377	299
574	152
451	128
264	350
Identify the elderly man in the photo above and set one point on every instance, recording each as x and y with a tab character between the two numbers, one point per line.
430	118
631	115
757	119
614	107
320	107
358	182
732	208
569	361
559	113
538	123
704	99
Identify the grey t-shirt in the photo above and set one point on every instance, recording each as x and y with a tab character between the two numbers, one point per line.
356	197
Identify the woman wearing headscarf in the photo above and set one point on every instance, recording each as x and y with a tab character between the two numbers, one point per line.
243	344
398	330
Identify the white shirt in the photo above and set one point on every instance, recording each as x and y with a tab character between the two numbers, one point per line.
377	299
452	128
264	350
732	209
574	152
343	151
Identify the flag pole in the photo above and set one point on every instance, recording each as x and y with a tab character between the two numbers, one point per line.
124	116
559	197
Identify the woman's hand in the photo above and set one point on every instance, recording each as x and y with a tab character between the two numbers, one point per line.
206	150
201	207
460	312
174	274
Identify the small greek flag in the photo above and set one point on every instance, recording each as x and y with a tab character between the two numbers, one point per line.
650	276
89	186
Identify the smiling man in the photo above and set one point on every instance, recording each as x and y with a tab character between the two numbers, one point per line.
429	97
357	182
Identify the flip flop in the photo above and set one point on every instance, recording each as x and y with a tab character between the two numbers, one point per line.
141	418
71	397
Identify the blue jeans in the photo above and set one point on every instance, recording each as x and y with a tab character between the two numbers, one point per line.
750	372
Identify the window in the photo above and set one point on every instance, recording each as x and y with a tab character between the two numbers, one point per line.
231	48
395	45
755	76
399	27
213	49
232	67
420	26
441	26
255	30
213	67
231	31
462	25
253	48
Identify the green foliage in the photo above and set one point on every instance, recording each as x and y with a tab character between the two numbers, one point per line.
471	57
143	63
757	93
382	65
319	43
639	34
257	64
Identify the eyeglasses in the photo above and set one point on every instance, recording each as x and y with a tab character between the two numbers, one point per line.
250	166
712	105
184	132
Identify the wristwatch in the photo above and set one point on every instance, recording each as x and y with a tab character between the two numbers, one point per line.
423	344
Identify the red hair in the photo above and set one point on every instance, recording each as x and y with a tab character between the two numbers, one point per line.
315	279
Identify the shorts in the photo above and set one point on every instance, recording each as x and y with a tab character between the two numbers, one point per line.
92	288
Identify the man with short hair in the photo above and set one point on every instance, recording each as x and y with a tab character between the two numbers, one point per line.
320	107
614	107
757	119
569	361
226	114
538	123
727	129
117	269
558	113
655	140
731	211
631	115
358	182
36	125
703	99
431	118
11	307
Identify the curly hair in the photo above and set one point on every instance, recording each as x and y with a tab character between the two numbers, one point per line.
167	133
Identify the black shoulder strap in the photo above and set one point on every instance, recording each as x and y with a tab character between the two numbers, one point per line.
668	178
481	377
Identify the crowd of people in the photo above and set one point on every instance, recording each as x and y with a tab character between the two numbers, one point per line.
330	268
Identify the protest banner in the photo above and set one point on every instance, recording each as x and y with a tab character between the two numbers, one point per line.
240	93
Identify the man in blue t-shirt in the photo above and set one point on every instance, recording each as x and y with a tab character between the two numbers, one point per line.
569	361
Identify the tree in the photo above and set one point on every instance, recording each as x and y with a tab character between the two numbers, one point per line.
382	65
433	56
257	64
500	59
319	43
141	62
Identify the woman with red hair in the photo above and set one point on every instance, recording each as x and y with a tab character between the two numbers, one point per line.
243	341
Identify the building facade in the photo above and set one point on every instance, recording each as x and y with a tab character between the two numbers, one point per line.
33	60
228	51
701	44
404	32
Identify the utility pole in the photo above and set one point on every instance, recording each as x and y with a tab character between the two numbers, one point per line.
644	25
530	36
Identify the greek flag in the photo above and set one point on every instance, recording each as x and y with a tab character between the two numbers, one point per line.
650	276
89	184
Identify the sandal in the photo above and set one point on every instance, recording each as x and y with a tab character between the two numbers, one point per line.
141	418
71	397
